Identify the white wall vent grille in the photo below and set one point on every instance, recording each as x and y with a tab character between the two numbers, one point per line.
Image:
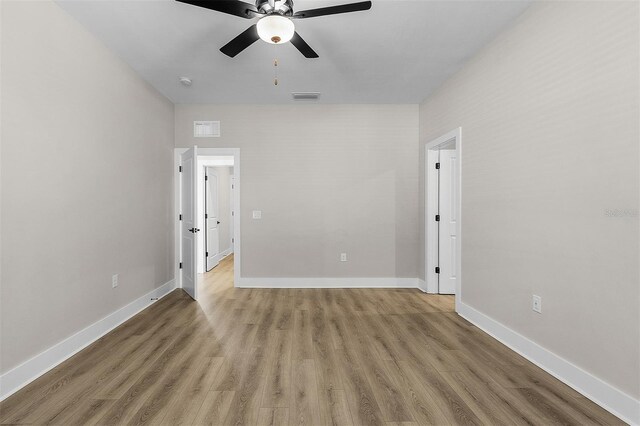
305	96
206	129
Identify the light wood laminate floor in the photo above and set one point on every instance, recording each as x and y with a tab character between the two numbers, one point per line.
294	356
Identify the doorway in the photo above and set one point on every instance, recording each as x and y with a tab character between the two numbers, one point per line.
207	191
218	210
211	219
442	214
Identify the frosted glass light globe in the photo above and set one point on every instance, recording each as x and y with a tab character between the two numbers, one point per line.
275	29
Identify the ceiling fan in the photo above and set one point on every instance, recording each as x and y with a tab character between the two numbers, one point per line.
275	25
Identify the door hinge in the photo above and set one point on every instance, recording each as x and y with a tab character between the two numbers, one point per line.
180	217
437	269
180	169
180	265
437	165
233	213
233	240
206	216
233	186
207	255
206	178
437	218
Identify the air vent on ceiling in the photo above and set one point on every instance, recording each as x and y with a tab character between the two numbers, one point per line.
206	129
305	96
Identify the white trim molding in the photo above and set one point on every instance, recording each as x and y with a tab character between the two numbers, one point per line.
20	376
431	157
225	253
608	397
337	282
237	235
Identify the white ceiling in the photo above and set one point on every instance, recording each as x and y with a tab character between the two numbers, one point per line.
397	52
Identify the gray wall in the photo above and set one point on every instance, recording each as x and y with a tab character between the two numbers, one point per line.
328	179
549	115
87	160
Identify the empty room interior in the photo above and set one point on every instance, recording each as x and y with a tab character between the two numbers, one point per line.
319	212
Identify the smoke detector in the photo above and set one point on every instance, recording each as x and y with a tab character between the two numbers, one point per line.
186	81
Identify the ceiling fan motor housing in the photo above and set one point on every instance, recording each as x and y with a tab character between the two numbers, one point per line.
281	7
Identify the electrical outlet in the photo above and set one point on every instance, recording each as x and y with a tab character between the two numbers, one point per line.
343	257
257	214
114	280
537	304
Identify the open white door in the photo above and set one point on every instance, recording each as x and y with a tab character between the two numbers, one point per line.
232	192
211	218
448	242
189	224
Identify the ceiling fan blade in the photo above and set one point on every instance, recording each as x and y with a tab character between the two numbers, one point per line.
231	7
332	10
244	40
303	47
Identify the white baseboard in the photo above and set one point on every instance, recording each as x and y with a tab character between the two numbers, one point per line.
20	376
225	253
338	282
427	288
422	285
608	397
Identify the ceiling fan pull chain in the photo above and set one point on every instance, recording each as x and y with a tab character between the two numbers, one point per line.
275	68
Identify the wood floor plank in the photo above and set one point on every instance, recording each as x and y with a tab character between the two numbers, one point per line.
363	405
200	376
131	371
411	344
489	406
246	401
327	369
401	424
424	408
547	411
278	416
87	412
302	340
337	408
214	408
126	407
278	382
298	356
448	401
305	409
58	405
390	399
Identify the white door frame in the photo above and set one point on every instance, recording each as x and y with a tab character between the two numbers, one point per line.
205	220
237	258
431	209
205	161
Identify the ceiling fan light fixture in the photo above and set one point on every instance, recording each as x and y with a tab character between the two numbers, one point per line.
275	29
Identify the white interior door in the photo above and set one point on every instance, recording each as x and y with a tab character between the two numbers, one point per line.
211	218
448	238
189	242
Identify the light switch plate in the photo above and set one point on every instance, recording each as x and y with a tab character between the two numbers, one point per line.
257	214
537	304
114	280
343	257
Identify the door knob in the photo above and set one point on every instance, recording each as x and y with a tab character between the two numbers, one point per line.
193	230
218	222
